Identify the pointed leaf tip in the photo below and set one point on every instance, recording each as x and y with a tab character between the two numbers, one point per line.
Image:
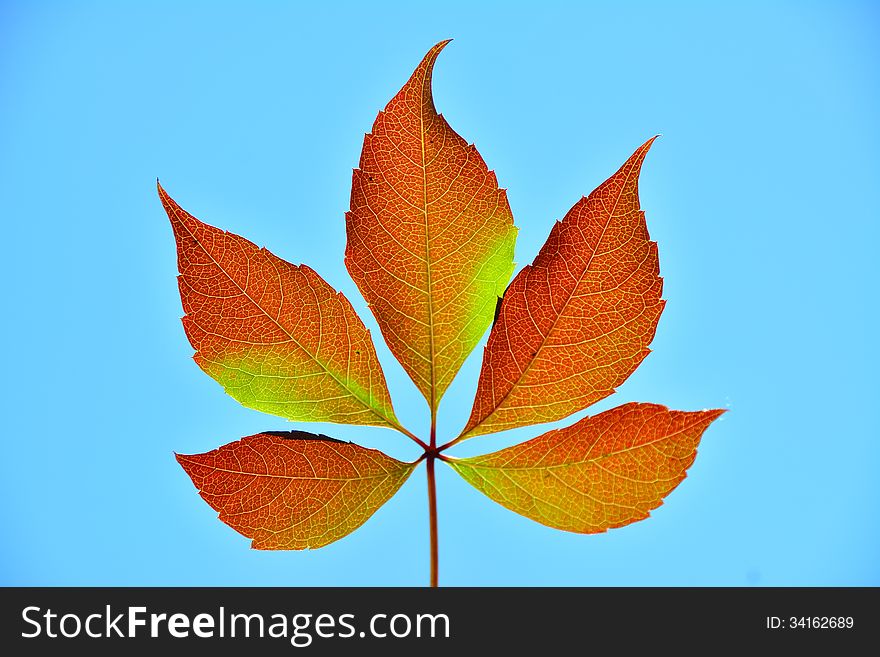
436	49
647	145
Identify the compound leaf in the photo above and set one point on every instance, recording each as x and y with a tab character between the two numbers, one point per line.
294	490
602	472
575	323
430	236
275	335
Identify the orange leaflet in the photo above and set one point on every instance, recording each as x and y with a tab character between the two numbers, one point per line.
575	323
430	236
275	335
602	472
294	490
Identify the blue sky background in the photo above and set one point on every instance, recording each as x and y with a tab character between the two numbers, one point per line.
761	194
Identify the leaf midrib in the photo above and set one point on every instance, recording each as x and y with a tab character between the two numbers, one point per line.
588	459
432	360
385	475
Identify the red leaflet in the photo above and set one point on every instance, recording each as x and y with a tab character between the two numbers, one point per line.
430	236
575	323
275	335
294	490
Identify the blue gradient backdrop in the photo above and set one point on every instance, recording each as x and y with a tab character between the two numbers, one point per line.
761	193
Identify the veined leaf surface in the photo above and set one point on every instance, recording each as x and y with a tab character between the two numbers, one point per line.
275	335
602	472
430	241
294	490
430	236
574	324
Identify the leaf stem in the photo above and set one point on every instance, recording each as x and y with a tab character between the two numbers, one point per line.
448	445
432	511
432	500
409	434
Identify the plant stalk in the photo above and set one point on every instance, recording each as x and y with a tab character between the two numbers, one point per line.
432	501
432	514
